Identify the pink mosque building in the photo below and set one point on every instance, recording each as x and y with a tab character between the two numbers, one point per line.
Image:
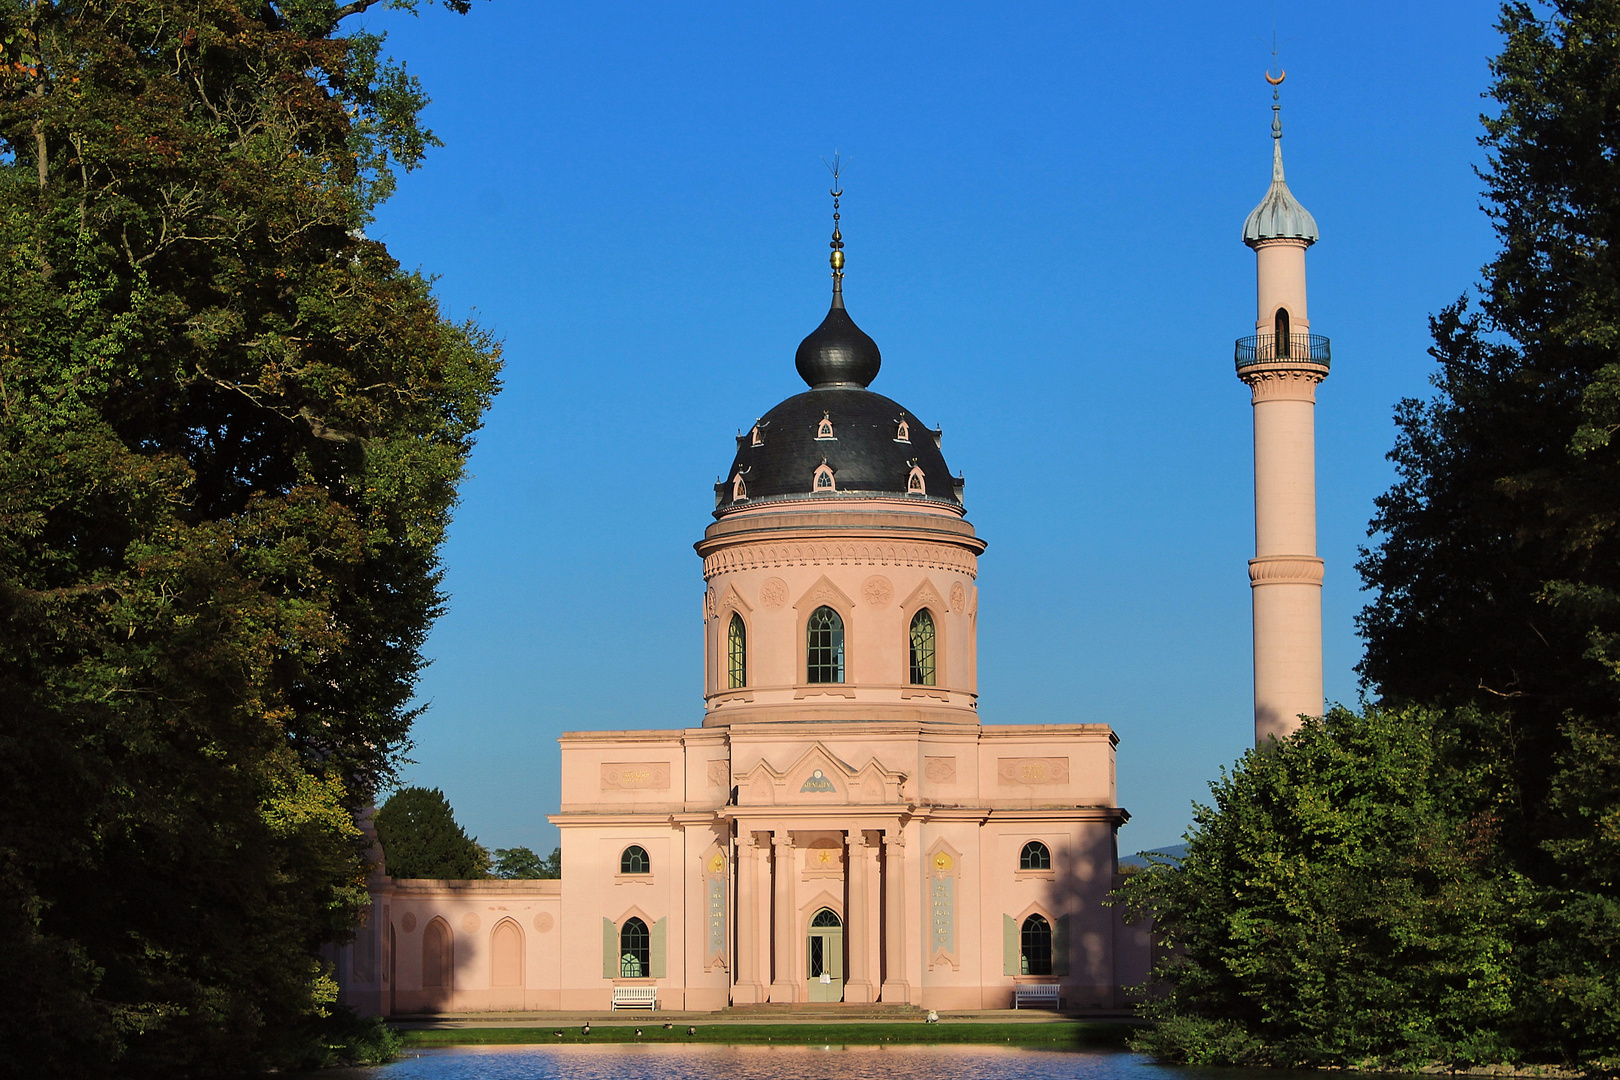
841	827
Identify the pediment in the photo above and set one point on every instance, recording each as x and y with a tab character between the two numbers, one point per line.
823	592
819	778
733	600
925	596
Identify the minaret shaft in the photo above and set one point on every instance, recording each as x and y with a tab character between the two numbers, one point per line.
1282	364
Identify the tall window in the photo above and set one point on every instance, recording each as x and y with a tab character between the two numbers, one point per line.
1036	946
1035	856
1280	326
737	652
635	952
922	649
635	861
825	638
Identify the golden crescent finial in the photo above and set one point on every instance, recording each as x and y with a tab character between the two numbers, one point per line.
1278	80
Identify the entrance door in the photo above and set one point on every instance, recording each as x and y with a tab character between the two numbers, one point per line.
826	965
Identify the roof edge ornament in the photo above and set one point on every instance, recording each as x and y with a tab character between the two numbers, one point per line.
1279	215
837	354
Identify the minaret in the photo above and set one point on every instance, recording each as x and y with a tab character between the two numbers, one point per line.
1282	363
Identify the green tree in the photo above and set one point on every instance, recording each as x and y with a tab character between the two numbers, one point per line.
231	432
1339	904
1497	565
520	862
420	838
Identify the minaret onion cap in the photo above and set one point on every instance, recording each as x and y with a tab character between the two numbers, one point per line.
1279	215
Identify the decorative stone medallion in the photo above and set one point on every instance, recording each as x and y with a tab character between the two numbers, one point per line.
817	781
407	922
958	596
543	922
635	774
773	594
940	770
877	592
709	602
720	773
1012	771
469	923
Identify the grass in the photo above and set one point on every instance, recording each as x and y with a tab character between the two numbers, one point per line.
1068	1035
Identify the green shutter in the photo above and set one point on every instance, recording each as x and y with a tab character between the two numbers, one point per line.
610	949
656	949
1060	946
1009	946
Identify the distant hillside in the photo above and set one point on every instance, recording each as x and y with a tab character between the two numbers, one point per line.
1140	859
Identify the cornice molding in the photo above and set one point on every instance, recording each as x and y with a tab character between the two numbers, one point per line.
1286	570
1277	382
770	555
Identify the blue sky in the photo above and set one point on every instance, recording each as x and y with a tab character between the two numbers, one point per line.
1043	212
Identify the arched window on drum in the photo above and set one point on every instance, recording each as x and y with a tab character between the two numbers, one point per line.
922	648
736	653
824	652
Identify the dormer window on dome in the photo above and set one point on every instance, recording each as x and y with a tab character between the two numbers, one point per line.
739	487
915	483
756	437
824	430
823	480
903	432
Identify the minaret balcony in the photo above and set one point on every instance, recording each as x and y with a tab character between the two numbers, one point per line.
1283	350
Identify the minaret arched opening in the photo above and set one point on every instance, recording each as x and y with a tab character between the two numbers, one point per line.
1279	326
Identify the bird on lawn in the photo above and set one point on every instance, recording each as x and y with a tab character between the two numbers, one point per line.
667	1027
557	1033
638	1033
586	1030
691	1031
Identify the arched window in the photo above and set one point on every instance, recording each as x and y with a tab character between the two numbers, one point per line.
436	959
824	430
739	487
826	917
902	432
1280	328
1035	944
825	656
916	483
635	949
824	480
737	653
922	649
635	861
1035	856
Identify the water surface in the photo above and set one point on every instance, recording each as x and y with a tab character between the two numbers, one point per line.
718	1062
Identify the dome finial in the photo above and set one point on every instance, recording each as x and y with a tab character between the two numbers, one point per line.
1279	215
836	259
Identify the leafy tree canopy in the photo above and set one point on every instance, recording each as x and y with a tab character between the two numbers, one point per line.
1338	905
231	432
420	838
520	862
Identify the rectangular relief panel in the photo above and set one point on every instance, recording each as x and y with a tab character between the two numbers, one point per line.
1030	771
632	775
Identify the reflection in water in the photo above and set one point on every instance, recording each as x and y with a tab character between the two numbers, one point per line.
705	1062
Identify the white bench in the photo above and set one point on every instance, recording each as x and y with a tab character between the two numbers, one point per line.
640	997
1043	995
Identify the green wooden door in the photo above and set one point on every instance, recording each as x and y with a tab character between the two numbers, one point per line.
825	962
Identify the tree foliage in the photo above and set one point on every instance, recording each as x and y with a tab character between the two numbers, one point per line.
1497	563
1340	904
231	432
522	863
420	838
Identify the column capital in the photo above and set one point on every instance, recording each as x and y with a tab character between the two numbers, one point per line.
781	838
894	838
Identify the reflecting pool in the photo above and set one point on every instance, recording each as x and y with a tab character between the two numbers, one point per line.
706	1062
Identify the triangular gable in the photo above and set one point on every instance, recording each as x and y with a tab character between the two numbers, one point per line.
924	595
819	777
823	592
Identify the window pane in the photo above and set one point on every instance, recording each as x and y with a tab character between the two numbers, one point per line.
635	860
922	649
737	653
1035	856
1037	946
634	950
824	653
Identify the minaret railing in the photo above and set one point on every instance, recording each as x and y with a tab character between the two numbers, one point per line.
1282	349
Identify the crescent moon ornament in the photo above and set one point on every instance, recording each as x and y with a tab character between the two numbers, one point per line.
1278	80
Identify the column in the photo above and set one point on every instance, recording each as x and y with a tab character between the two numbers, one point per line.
861	917
785	983
895	988
749	988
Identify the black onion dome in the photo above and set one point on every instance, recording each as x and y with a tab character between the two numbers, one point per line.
779	458
838	353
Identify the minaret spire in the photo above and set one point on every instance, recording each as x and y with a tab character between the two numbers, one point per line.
1282	363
